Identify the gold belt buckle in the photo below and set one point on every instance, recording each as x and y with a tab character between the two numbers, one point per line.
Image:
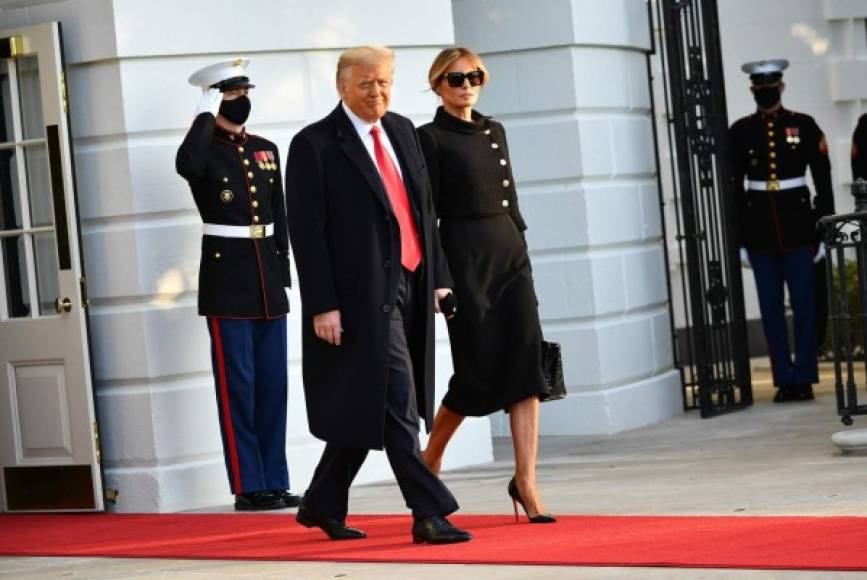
257	231
773	185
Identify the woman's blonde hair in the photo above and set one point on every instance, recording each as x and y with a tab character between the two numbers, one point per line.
446	57
370	54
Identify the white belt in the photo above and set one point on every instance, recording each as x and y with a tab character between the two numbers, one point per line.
777	185
254	231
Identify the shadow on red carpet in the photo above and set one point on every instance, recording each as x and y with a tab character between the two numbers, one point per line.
785	542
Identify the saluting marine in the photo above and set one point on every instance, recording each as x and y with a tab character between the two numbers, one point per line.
243	274
777	220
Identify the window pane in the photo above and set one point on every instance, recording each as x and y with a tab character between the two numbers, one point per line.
30	97
7	134
47	285
15	271
39	186
10	198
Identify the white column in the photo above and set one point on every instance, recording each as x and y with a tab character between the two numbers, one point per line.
569	82
131	106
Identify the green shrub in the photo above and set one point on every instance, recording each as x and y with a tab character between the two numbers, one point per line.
853	293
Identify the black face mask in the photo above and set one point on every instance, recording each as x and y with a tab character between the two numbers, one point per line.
767	97
237	110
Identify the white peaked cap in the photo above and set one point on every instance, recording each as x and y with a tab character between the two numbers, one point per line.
765	67
227	73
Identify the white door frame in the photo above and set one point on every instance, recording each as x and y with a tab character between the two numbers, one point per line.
49	438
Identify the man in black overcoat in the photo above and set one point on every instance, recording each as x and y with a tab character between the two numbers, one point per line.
371	274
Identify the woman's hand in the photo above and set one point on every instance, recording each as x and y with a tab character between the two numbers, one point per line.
440	295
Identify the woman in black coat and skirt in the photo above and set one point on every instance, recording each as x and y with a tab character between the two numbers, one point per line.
495	334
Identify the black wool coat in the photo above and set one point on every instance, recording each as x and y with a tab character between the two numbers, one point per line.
346	243
235	181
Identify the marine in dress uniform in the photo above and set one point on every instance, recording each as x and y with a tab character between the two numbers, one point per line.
859	149
777	220
244	270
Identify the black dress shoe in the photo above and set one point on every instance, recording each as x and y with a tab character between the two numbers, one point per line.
255	501
289	499
805	392
794	393
437	530
335	529
786	394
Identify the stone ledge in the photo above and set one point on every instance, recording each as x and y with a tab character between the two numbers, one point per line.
851	442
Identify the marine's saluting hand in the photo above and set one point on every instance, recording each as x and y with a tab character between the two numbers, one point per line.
210	102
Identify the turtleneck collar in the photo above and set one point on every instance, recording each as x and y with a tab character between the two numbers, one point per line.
445	119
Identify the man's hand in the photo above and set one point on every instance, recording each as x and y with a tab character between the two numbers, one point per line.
327	327
210	102
439	294
820	253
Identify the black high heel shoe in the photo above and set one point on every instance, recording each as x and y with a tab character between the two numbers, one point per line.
516	499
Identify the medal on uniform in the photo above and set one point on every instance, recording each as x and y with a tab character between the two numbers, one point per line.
793	135
226	195
271	165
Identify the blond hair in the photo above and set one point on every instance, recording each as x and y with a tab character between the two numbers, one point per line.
446	57
369	54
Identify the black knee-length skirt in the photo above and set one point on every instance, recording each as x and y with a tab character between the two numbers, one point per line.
495	335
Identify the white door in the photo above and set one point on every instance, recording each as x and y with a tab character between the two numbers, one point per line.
49	444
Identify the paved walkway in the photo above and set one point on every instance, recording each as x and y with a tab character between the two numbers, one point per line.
769	459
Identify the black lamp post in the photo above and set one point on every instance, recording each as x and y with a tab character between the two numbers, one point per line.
847	298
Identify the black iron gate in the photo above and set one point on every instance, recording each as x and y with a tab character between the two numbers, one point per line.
711	350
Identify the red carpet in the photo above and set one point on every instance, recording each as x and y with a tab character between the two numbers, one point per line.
805	543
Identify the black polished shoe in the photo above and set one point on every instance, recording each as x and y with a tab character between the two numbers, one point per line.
255	501
335	529
804	392
289	499
786	394
437	530
516	499
794	393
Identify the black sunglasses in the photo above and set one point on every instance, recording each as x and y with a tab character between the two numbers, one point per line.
456	79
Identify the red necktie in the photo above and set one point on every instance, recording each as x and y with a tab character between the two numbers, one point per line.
410	249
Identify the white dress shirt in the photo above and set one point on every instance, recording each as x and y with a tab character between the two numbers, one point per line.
363	128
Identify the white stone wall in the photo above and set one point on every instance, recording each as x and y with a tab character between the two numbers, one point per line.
569	82
128	62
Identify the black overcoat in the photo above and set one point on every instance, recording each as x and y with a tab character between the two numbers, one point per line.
346	243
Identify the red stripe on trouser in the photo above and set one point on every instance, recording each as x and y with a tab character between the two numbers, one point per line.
223	388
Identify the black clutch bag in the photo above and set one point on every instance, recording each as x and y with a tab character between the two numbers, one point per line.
552	370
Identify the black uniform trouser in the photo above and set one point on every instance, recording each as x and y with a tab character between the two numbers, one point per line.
423	491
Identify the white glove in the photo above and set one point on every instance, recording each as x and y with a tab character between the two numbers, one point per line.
820	253
210	102
745	259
